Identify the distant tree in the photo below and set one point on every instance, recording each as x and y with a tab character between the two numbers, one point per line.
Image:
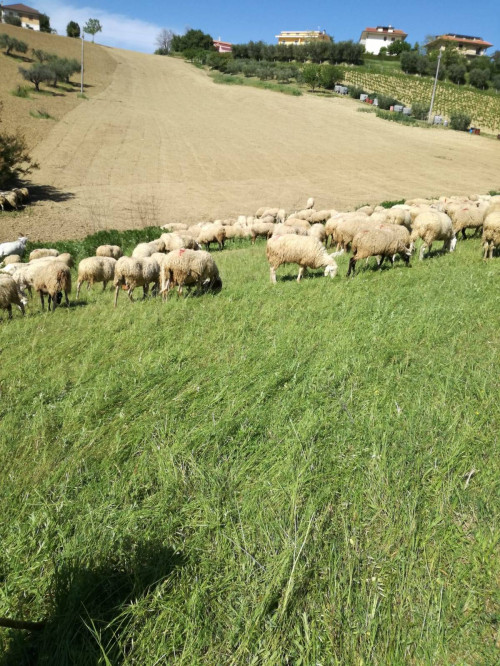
12	44
310	75
164	41
383	51
192	39
14	157
11	19
456	73
73	29
329	75
479	78
92	27
40	55
45	23
397	47
495	82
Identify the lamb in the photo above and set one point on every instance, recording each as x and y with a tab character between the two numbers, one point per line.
113	251
491	234
383	241
146	249
14	247
186	268
95	269
132	272
177	240
431	226
12	259
10	295
212	233
43	252
261	230
466	216
307	252
52	278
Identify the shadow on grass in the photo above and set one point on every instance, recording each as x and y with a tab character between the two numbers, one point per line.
48	193
88	607
19	58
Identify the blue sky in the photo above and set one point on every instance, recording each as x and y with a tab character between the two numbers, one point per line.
134	25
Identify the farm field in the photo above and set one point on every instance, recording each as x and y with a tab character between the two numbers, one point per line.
164	143
305	473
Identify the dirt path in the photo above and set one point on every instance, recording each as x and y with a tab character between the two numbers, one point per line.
164	143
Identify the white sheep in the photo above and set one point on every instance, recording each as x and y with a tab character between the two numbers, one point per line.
113	251
321	216
43	252
261	230
466	216
433	226
12	259
14	247
95	269
306	251
174	226
132	272
491	234
187	268
146	249
318	231
52	278
10	295
176	240
380	241
310	203
212	233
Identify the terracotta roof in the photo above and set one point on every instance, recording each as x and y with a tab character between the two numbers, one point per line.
386	31
462	40
22	8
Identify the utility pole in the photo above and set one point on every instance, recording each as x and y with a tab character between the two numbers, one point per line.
435	84
81	78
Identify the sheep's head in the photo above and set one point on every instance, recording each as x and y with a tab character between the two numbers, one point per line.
331	271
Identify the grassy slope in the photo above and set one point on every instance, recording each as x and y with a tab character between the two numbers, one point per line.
299	474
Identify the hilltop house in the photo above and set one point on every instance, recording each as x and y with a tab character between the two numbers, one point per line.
302	36
468	46
223	47
373	39
30	18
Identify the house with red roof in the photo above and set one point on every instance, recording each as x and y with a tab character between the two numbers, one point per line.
30	18
467	45
223	47
373	39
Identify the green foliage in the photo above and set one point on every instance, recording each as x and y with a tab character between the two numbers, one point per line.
316	52
228	79
92	27
15	159
329	75
37	73
12	44
385	101
456	73
11	19
42	114
41	55
495	82
420	110
45	23
192	40
390	204
398	47
479	78
355	92
396	117
21	91
73	29
460	121
209	481
310	75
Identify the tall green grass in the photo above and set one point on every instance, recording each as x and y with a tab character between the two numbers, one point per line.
299	474
230	79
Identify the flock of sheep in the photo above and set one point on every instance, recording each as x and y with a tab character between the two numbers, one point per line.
177	260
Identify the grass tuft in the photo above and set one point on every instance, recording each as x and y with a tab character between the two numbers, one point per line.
41	113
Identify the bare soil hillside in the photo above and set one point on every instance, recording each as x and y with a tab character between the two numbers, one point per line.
99	67
164	143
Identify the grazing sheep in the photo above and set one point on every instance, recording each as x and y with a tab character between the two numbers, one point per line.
174	226
347	227
260	212
187	268
12	259
310	203
318	231
466	216
238	231
367	210
212	233
23	193
146	249
10	295
399	216
491	234
13	198
177	240
14	247
321	216
306	251
433	226
132	272
261	230
113	251
380	241
52	278
284	230
43	252
95	269
298	223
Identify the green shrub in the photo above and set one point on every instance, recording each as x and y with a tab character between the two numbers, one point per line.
479	78
395	117
355	92
420	111
385	101
10	19
12	44
38	73
460	121
329	75
73	29
21	91
310	75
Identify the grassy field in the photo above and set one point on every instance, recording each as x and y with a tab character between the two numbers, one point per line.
299	474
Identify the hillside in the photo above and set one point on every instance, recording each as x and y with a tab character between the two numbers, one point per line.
15	115
163	143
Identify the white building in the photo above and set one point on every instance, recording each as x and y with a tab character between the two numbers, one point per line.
29	17
373	39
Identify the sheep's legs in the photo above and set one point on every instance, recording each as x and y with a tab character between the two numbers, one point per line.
301	273
117	291
42	299
422	251
78	285
273	275
9	310
66	298
352	266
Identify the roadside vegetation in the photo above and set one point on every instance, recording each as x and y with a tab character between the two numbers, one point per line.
290	474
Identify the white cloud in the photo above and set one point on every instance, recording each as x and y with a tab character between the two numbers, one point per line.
117	29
